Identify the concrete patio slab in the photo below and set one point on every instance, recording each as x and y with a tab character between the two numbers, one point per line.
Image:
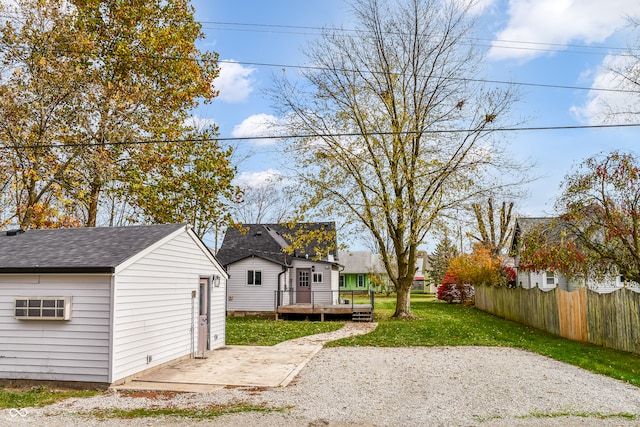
242	366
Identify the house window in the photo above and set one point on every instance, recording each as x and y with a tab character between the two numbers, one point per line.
317	277
341	281
551	278
360	281
42	308
254	277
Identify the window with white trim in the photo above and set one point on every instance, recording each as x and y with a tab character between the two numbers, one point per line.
254	277
341	281
551	278
317	278
360	281
42	308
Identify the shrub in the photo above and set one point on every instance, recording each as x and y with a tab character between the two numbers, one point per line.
451	292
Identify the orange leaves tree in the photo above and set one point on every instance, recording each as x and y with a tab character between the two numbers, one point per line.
40	79
478	268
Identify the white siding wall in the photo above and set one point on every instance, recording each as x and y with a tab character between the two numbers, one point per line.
321	291
153	307
244	297
72	350
524	279
605	284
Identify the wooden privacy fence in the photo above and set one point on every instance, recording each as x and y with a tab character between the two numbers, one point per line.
610	320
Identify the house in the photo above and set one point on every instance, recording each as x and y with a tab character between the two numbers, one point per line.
548	280
98	306
273	265
362	271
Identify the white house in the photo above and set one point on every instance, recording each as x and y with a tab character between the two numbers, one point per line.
101	305
264	275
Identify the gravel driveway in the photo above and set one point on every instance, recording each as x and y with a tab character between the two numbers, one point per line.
417	386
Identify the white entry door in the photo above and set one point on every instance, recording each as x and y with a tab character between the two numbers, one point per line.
203	318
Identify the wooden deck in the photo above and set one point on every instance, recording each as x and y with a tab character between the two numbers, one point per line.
359	312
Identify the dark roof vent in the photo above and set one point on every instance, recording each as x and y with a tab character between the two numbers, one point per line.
258	233
15	232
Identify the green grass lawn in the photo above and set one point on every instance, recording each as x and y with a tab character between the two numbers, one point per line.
37	396
257	331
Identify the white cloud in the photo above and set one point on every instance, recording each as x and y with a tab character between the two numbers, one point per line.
481	5
234	82
615	106
258	179
559	22
258	125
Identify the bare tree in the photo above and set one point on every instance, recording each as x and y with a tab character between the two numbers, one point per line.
398	124
263	202
493	235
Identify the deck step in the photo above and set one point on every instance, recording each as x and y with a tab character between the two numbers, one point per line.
362	316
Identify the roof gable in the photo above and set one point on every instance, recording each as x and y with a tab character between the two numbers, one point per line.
90	249
269	241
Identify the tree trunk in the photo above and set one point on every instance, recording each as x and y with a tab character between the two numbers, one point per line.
403	298
92	209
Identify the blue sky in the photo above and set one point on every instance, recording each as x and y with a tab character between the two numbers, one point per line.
550	42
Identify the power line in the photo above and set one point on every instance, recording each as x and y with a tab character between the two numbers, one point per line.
201	58
544	85
320	135
554	47
557	47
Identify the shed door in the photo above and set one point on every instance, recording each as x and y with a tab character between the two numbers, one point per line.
303	286
203	317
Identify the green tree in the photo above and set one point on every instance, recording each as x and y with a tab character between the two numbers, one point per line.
182	182
444	252
144	78
396	120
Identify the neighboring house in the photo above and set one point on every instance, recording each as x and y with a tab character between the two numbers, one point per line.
362	271
101	305
418	277
264	273
548	280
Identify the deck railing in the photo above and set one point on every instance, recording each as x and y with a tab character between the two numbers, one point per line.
340	297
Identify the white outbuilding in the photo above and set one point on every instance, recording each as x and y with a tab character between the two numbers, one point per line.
99	306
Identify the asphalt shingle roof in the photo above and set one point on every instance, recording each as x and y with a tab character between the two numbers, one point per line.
361	262
91	249
268	241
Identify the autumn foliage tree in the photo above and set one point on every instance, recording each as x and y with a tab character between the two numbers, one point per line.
549	245
93	93
600	205
479	268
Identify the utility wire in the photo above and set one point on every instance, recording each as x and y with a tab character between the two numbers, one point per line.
503	82
321	135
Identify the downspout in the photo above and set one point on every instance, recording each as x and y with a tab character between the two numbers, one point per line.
284	270
279	296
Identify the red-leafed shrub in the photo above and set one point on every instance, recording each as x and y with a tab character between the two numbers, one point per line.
509	274
452	292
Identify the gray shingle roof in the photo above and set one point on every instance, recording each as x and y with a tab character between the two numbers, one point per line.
268	241
361	262
95	249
